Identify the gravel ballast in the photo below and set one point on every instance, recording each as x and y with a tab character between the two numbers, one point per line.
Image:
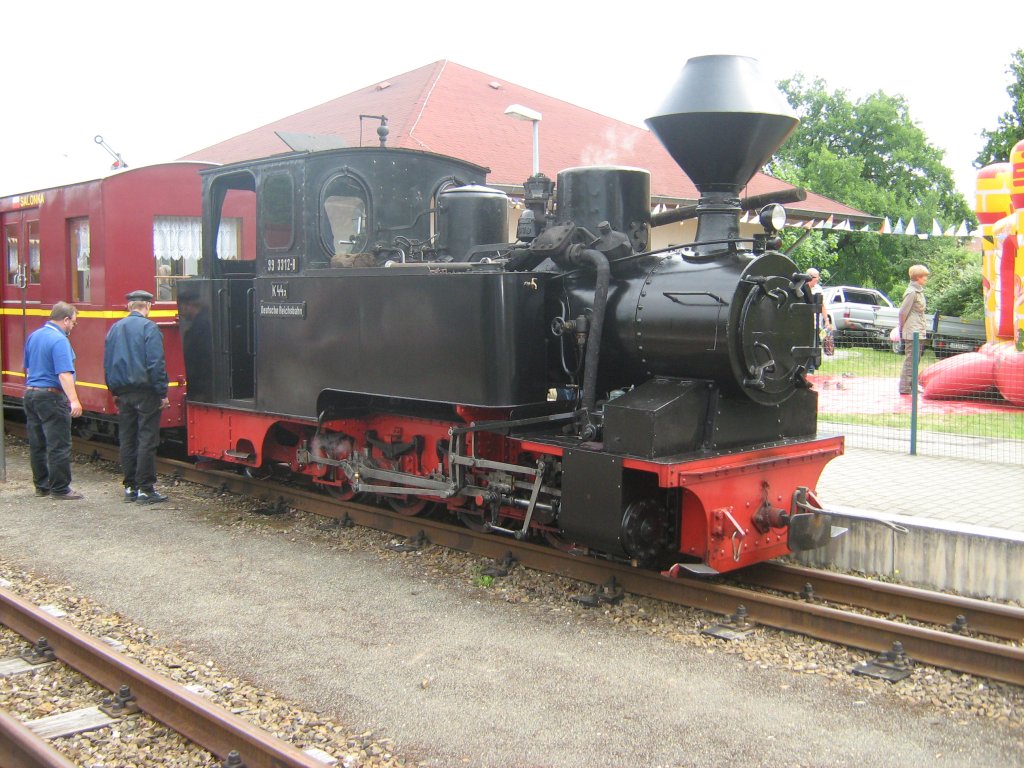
417	652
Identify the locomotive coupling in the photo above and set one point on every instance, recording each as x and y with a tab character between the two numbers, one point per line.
808	526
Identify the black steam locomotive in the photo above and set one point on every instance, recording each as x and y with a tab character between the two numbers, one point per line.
386	338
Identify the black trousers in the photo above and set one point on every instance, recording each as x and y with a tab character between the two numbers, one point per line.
48	418
139	434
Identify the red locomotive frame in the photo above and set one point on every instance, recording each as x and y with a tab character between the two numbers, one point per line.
727	505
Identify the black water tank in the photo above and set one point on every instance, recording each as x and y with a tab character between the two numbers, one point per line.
470	216
620	196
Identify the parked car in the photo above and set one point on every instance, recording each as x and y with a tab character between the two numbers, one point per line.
887	318
852	310
947	335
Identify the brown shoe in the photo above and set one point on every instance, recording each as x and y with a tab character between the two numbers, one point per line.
69	496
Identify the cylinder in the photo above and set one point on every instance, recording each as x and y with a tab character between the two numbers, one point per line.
740	323
471	216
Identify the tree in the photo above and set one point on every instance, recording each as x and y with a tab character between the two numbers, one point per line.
999	142
870	155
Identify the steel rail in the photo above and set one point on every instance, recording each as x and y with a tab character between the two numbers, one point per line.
942	649
20	747
994	619
187	713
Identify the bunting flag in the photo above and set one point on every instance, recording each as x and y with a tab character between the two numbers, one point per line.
963	230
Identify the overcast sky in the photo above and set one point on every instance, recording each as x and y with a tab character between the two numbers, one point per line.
160	80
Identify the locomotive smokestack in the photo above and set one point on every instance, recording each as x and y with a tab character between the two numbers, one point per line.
721	122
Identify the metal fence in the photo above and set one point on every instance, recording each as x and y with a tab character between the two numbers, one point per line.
957	411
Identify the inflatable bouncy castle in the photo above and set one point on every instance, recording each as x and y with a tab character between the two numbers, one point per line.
999	363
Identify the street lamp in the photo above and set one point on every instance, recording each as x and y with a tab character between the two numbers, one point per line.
519	112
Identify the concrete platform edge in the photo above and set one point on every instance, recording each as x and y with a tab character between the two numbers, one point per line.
970	560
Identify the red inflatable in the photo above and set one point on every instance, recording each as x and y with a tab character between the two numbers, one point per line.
1009	373
959	376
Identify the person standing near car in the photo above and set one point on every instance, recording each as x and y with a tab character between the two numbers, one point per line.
912	320
136	374
51	401
822	322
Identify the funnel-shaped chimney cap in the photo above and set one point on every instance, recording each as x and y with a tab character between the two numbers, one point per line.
722	121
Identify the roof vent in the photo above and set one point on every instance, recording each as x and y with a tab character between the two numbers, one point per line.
494	84
382	85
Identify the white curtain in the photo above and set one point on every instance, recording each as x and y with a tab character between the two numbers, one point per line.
179	238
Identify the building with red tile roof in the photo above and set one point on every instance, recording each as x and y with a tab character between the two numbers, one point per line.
450	109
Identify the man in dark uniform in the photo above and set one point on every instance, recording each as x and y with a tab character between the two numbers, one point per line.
51	401
136	374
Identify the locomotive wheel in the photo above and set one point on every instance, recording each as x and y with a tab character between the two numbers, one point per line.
473	519
341	492
86	429
555	540
477	520
257	473
645	532
410	506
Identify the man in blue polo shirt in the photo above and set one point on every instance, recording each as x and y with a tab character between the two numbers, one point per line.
51	401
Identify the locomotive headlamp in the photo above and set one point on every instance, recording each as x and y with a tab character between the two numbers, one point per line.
773	217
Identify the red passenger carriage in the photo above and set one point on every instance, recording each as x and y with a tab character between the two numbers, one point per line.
90	243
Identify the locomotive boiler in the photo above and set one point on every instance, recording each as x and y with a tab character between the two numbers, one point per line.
385	339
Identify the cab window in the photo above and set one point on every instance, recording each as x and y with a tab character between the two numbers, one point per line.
344	218
277	211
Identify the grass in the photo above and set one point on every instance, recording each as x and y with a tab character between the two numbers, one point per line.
1003	426
866	362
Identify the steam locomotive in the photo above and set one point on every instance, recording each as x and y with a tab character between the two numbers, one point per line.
387	339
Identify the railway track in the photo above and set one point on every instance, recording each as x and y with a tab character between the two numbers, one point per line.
957	633
137	688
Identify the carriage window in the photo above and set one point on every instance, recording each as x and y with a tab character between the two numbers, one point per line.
33	252
177	247
11	245
176	251
345	212
78	242
276	204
